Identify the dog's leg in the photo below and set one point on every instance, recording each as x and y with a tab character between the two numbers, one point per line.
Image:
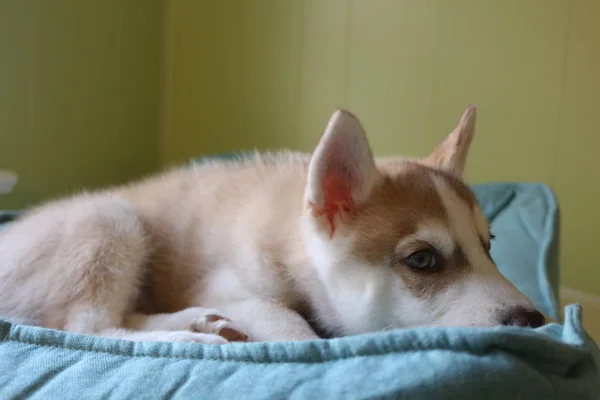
195	319
76	266
269	321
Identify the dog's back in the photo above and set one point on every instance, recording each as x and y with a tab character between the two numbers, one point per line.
225	223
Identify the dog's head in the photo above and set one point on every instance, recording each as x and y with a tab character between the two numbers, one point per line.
403	242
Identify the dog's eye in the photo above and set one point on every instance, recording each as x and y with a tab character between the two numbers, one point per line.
421	259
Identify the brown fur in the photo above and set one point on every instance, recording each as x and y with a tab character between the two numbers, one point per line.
393	213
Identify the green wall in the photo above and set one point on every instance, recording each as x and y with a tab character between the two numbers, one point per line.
79	93
268	73
82	89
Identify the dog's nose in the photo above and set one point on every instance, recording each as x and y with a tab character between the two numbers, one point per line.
525	318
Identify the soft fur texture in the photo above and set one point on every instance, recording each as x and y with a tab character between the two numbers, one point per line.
275	247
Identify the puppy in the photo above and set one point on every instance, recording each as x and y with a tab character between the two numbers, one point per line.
274	247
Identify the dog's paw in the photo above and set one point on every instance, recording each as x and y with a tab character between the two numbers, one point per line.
193	337
213	322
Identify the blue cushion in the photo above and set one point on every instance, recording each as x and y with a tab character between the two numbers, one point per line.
553	362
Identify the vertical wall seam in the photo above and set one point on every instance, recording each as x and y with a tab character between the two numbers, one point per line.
300	100
561	102
166	85
434	80
28	177
346	58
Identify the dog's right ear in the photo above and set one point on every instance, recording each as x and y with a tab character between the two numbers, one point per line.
451	154
342	170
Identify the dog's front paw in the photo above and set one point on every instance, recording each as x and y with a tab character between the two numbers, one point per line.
213	322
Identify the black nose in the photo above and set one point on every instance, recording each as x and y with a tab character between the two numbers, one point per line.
525	318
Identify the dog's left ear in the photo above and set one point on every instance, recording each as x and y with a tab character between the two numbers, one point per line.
342	171
451	154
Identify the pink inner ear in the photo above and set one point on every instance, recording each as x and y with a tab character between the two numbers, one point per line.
337	192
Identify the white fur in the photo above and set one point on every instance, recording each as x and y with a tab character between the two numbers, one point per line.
359	294
434	233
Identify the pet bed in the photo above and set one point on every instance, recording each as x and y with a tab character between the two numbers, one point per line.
557	361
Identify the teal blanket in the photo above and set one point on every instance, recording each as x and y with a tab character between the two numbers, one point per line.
552	362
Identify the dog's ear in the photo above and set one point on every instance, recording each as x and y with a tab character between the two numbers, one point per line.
451	154
342	170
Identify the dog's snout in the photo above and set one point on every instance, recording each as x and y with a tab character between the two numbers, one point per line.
525	318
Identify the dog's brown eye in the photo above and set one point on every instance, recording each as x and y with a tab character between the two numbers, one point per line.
421	259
